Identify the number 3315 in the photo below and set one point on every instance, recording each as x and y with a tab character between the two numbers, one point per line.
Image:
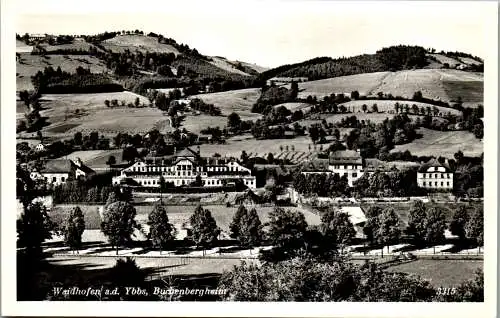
446	291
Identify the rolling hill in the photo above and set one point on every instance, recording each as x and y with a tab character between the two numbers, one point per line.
142	43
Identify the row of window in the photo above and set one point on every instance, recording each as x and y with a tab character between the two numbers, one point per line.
54	179
437	175
182	168
346	167
436	183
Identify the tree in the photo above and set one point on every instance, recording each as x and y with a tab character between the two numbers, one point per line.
270	158
417	222
34	227
129	154
204	229
234	121
73	229
435	224
364	107
161	232
388	231
458	222
137	102
286	230
244	157
354	95
118	223
375	108
336	228
396	107
111	161
78	138
246	227
474	230
127	273
107	103
234	227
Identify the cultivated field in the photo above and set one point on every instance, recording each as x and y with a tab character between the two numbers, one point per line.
29	65
443	143
224	64
78	44
69	113
199	122
239	101
21	47
433	83
445	59
120	43
441	273
257	68
235	145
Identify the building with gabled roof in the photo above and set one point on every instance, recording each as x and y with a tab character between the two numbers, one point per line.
435	175
184	167
58	171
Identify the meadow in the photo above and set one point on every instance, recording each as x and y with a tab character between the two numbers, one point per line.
70	113
29	65
239	101
132	42
443	143
195	123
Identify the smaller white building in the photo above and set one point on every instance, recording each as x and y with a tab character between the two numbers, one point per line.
58	171
346	163
435	175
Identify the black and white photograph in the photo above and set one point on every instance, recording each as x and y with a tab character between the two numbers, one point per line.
186	156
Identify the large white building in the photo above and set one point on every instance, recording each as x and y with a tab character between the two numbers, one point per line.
435	175
343	162
183	168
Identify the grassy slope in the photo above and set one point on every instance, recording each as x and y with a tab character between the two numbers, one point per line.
433	83
226	65
196	123
388	106
95	116
239	101
31	64
443	143
137	42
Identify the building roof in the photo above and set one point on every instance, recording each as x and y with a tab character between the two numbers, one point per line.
434	163
84	168
58	166
186	152
373	164
345	156
315	165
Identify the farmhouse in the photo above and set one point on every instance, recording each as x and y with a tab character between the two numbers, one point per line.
58	171
184	168
37	37
435	175
41	147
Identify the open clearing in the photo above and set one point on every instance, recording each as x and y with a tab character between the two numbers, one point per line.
443	143
29	65
239	101
142	43
96	158
304	107
235	145
93	115
199	122
433	83
445	59
441	273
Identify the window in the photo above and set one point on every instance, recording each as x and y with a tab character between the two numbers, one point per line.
354	175
62	179
54	179
435	183
46	178
183	182
448	183
424	183
435	175
442	175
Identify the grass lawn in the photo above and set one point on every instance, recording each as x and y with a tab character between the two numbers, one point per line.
59	214
441	273
137	42
443	143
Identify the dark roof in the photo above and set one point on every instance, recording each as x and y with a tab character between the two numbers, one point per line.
186	152
345	156
434	163
84	168
315	165
373	164
58	166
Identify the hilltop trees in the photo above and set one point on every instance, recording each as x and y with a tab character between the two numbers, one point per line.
73	229
204	229
161	232
118	223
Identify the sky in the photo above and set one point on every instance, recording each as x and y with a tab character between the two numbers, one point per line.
270	33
